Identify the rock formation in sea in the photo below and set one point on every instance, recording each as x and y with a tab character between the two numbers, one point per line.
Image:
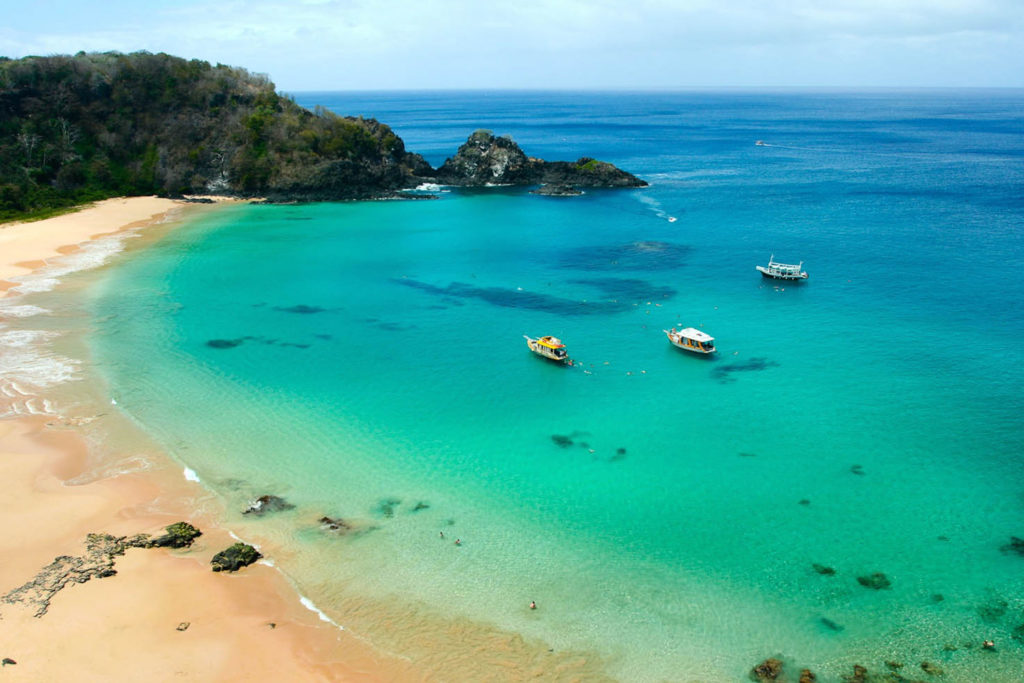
488	160
267	504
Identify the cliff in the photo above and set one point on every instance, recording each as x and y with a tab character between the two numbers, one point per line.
80	128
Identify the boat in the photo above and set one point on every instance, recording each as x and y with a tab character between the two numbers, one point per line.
549	347
782	271
691	339
761	143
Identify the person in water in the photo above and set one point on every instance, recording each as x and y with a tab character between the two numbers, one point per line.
533	604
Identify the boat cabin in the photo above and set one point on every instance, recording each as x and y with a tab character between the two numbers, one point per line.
782	271
692	339
549	347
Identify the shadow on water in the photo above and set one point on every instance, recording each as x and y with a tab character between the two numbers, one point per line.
615	288
642	255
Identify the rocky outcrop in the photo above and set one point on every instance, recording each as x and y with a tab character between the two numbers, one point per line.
235	557
267	503
768	670
179	535
557	191
488	160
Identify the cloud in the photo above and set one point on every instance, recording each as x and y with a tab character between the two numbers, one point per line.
559	43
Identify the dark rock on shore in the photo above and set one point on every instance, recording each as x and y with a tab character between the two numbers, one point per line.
267	503
8	660
235	557
877	581
768	670
179	535
488	160
557	191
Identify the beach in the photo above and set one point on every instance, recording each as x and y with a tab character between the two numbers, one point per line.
164	613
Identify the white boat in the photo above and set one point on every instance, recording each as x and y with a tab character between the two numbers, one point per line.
549	347
782	271
691	339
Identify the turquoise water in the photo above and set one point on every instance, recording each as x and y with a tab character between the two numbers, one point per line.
368	363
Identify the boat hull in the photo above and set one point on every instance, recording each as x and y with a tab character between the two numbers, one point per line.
777	276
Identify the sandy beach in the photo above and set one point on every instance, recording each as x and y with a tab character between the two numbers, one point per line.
164	614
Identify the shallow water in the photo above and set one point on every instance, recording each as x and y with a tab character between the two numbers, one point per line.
366	361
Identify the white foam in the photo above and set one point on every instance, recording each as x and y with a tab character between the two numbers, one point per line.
91	254
190	474
20	310
308	604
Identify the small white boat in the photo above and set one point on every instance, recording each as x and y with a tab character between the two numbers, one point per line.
691	339
782	271
549	347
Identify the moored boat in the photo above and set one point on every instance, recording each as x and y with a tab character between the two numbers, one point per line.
782	271
691	339
549	347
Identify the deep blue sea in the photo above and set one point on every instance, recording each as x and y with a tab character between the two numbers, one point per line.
666	512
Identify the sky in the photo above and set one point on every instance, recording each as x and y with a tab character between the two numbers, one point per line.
550	44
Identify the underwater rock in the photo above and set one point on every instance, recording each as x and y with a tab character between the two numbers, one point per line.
386	507
949	647
748	455
768	670
993	610
877	581
267	503
420	506
803	501
1016	545
1018	633
235	557
561	440
860	675
856	469
807	677
723	373
938	597
823	570
932	669
894	665
300	308
179	535
831	625
334	524
224	343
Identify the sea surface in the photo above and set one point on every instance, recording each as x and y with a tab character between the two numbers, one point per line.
666	512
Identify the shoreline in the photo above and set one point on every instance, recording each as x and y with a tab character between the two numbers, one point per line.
239	626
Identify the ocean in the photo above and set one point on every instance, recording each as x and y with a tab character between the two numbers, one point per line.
672	517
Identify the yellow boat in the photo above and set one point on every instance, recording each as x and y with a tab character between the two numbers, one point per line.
549	347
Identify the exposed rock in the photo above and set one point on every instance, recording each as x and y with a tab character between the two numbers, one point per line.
267	503
8	660
183	626
235	557
179	535
877	581
488	160
557	191
932	669
96	563
823	570
807	677
768	670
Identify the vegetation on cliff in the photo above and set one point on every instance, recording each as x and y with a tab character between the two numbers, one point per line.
76	129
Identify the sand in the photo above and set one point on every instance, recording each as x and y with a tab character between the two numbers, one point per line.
240	626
